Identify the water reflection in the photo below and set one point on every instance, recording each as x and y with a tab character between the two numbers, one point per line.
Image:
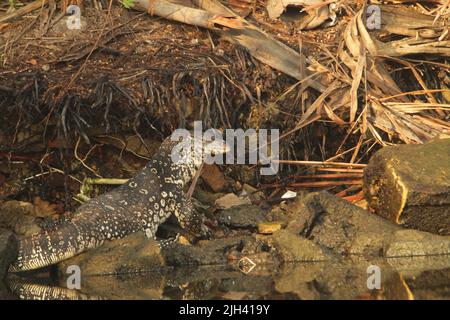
401	278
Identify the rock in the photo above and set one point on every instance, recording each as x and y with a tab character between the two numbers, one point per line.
242	173
134	253
430	285
252	192
213	177
410	185
269	227
206	197
18	216
243	216
339	226
293	248
231	200
342	228
412	266
412	243
210	252
8	251
283	212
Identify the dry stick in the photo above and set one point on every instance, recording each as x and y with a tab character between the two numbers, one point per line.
347	151
82	161
369	149
422	83
329	175
24	10
191	189
340	170
317	184
321	163
313	184
344	192
357	148
349	131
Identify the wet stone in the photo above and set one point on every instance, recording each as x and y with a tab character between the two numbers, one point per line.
134	253
339	227
211	252
415	243
231	200
294	248
243	216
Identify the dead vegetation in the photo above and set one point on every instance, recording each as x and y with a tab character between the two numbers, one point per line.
72	100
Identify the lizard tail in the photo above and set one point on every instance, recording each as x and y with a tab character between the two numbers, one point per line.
50	247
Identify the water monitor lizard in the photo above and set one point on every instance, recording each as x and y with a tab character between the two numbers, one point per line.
142	204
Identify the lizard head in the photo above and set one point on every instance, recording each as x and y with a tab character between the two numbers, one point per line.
189	152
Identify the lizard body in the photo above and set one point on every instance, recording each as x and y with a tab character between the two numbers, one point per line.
142	204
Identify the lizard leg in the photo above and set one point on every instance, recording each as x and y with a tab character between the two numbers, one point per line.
191	220
162	243
168	243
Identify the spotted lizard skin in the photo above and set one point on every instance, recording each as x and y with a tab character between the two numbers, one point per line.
142	204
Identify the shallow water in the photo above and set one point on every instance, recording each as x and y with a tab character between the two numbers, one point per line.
400	278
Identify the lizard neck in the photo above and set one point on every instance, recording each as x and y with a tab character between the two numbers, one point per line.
179	172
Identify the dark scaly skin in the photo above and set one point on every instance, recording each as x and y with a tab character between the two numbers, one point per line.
142	204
